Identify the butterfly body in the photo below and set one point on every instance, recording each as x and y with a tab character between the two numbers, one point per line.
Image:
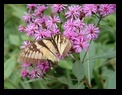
46	49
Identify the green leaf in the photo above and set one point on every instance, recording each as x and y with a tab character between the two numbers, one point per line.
14	39
8	67
109	54
66	64
63	80
106	73
18	10
78	70
82	53
97	79
62	16
26	85
47	11
32	80
8	85
77	86
111	81
88	65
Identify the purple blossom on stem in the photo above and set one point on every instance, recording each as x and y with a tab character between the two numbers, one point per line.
82	33
39	25
24	65
44	67
79	44
37	22
31	6
51	22
21	28
35	70
106	9
79	24
42	33
113	7
27	18
70	34
92	32
60	56
35	74
89	8
24	72
30	29
43	19
26	44
58	7
39	11
70	25
54	31
73	12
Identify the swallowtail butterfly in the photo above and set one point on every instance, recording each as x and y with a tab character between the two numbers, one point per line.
46	49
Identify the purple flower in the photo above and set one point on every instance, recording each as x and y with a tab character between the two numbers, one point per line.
35	74
82	33
27	18
58	7
106	9
31	6
42	33
26	44
24	65
92	32
79	44
40	9
70	25
73	11
39	26
35	70
37	22
30	29
21	28
43	19
79	24
54	31
51	22
113	7
89	8
44	67
70	34
24	72
60	56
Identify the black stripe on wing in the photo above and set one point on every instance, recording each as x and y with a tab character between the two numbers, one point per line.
44	45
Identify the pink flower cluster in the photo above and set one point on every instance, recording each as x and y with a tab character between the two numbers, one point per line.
39	25
33	71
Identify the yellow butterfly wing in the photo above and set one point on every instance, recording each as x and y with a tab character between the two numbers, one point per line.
63	44
45	49
40	50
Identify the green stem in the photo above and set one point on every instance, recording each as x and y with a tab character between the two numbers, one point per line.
100	18
68	76
86	53
96	15
79	85
61	21
88	81
89	73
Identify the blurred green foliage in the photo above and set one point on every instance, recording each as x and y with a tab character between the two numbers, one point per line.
101	57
